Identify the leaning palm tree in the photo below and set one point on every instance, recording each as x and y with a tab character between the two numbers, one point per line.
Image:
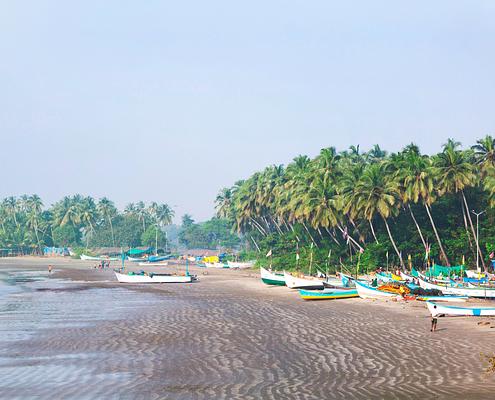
455	172
484	153
107	210
377	194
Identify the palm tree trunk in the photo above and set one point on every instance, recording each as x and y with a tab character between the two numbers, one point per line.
309	233
111	230
38	239
373	231
332	236
473	250
256	244
442	251
393	244
417	226
472	230
351	238
258	226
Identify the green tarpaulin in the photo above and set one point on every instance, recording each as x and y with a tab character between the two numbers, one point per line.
438	270
137	252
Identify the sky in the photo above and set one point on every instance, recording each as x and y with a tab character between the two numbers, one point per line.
170	101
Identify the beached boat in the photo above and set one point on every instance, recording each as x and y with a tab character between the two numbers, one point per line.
307	282
155	264
220	265
366	291
459	291
240	265
90	258
153	278
272	278
328	294
447	298
134	259
153	259
439	309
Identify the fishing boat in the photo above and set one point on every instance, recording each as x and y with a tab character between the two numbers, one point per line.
153	259
328	294
220	265
90	258
459	291
240	265
272	278
447	298
307	282
439	309
155	264
153	278
366	291
134	259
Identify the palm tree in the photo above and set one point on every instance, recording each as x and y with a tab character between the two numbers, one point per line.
454	173
142	213
11	207
484	153
34	207
377	194
88	215
107	210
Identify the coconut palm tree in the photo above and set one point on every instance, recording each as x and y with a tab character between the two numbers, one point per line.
484	153
108	211
455	172
11	208
377	194
34	207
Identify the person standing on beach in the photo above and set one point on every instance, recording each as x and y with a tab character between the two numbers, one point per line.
50	269
434	320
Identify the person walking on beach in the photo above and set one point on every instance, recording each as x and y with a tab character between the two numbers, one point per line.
50	269
434	320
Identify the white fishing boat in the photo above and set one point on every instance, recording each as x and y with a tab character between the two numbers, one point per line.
90	258
134	259
443	298
475	274
459	291
220	265
306	282
272	278
240	265
158	264
366	291
153	278
440	309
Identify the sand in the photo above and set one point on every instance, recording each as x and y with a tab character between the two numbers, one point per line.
230	337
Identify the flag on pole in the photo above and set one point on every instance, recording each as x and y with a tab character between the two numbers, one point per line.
463	260
269	254
297	256
361	250
492	254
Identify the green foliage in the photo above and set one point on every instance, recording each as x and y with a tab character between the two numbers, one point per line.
211	234
389	206
152	235
66	236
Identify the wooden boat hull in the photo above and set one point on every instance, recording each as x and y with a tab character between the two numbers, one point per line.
294	282
459	311
240	265
443	298
271	278
328	294
459	291
367	292
153	278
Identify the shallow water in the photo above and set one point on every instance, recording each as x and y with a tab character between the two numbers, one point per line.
34	306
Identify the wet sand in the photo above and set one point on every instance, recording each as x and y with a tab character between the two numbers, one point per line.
230	336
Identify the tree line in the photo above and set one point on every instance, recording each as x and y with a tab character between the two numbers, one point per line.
372	205
27	226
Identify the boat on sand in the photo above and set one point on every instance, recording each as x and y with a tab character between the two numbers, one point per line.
272	278
153	278
328	294
366	291
440	309
306	282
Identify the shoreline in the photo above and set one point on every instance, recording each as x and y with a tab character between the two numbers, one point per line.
234	337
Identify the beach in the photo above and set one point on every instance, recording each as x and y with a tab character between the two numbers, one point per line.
78	333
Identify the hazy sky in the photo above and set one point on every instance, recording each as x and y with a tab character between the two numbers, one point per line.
172	100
